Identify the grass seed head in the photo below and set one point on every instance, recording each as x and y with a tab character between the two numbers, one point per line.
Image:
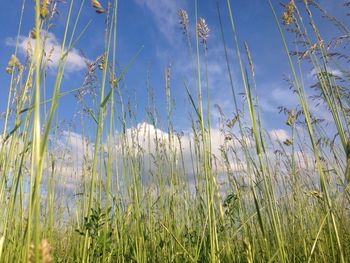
183	16
98	7
34	33
100	11
287	142
13	63
44	252
203	30
102	62
250	60
291	118
288	15
44	8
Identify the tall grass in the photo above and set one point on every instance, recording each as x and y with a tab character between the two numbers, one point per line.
144	192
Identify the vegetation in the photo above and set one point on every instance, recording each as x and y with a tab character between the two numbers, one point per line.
135	195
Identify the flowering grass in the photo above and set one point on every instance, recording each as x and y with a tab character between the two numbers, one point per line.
137	195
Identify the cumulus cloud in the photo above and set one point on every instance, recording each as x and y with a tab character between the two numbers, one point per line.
75	61
71	158
279	135
149	147
148	138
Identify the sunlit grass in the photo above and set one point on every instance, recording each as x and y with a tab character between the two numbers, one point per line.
148	193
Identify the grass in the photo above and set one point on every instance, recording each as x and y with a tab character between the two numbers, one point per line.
138	195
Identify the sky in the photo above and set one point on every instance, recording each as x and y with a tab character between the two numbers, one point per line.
153	25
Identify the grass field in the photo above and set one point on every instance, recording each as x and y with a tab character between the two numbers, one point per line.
149	193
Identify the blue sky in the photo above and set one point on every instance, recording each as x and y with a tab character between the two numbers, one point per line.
154	25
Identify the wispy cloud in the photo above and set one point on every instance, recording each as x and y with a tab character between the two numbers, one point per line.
312	75
164	13
279	95
75	61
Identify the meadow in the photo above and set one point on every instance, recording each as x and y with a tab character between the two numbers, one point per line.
147	192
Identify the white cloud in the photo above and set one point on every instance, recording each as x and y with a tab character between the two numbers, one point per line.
148	138
75	61
279	135
149	145
73	153
332	71
164	13
278	95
